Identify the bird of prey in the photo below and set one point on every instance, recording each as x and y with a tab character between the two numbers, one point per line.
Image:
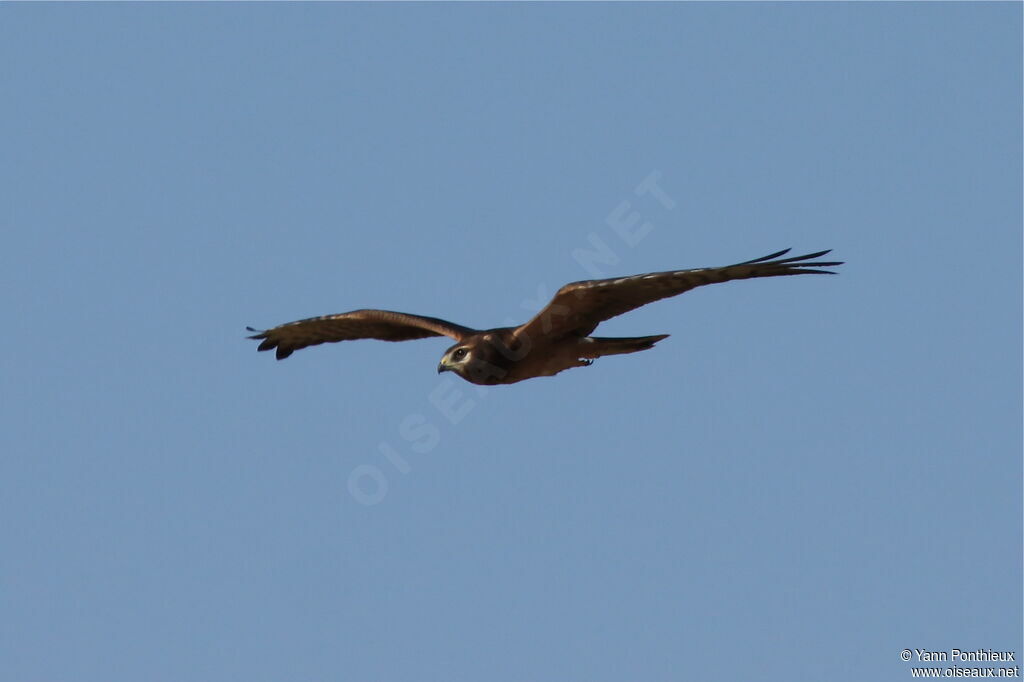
556	339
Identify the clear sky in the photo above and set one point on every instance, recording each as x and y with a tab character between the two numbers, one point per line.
808	476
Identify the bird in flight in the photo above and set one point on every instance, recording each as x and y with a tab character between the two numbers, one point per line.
556	339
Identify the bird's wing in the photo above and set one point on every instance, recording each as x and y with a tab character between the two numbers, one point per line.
358	324
579	307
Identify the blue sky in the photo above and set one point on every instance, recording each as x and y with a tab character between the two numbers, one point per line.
810	475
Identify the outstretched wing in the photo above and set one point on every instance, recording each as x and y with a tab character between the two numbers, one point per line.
384	325
579	307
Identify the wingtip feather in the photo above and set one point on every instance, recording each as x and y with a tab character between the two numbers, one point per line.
770	256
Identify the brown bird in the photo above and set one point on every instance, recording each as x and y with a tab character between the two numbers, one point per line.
556	339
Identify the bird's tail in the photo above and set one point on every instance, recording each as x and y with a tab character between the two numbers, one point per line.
616	346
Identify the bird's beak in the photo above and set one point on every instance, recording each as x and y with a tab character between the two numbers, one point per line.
443	367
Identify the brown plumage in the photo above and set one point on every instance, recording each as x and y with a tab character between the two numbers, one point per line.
556	339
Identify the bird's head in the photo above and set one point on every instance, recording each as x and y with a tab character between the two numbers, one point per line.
474	360
456	358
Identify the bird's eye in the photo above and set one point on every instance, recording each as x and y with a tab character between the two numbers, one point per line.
459	354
